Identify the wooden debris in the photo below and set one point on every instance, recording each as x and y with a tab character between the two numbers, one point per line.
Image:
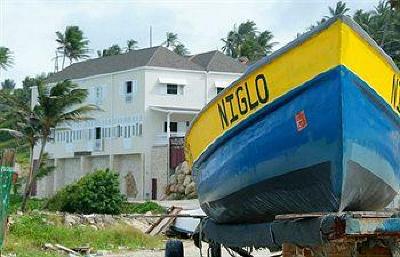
48	246
65	249
163	223
82	249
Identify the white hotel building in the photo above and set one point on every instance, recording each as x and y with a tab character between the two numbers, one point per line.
139	93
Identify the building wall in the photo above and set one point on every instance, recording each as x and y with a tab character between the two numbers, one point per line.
159	168
138	158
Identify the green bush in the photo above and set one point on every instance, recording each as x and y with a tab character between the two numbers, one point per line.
142	208
97	192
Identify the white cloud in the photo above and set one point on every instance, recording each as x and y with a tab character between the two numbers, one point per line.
28	26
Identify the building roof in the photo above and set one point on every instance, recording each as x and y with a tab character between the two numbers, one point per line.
154	56
217	61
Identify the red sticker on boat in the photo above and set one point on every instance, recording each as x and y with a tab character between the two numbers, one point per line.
301	121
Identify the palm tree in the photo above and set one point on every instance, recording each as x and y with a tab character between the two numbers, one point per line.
264	41
229	47
22	123
6	58
340	9
112	50
131	44
246	41
8	84
72	44
57	105
172	40
181	49
383	25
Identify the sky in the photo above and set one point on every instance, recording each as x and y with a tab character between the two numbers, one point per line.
28	27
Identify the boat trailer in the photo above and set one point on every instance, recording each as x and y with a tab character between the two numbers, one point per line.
352	234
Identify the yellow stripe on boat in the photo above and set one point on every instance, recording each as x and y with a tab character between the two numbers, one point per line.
338	43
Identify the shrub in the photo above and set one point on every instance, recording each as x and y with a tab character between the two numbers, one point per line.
97	192
142	208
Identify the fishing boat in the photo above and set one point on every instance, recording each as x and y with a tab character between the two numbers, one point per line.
314	127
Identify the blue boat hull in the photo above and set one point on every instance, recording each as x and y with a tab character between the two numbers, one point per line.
345	158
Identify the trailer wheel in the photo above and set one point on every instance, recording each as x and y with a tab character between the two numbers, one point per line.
215	249
174	248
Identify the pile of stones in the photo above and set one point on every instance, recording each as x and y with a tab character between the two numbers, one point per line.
181	184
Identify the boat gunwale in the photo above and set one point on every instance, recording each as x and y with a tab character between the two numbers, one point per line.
282	100
291	45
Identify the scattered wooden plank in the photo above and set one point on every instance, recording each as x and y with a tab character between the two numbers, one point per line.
65	249
162	224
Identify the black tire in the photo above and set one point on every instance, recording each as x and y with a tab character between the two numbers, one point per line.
174	248
215	250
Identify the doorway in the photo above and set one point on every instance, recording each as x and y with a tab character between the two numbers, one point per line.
153	189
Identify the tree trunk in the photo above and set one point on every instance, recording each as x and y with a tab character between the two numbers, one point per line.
32	170
63	61
28	180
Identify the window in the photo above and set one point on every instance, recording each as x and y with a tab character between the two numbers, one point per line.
98	133
98	94
219	90
140	129
129	90
173	126
172	89
128	87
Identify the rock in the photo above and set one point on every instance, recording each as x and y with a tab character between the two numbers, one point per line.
178	170
180	178
190	188
187	180
181	189
185	168
99	219
20	213
89	219
108	219
173	180
192	195
69	220
94	227
102	252
172	196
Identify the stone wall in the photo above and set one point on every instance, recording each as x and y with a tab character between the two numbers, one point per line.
181	184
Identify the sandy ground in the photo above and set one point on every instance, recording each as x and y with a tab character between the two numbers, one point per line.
190	251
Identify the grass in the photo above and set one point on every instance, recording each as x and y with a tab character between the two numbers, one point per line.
142	208
33	204
29	233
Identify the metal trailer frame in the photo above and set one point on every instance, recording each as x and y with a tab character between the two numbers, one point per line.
305	230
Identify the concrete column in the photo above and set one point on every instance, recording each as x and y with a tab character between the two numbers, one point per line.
55	172
82	165
111	162
168	146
